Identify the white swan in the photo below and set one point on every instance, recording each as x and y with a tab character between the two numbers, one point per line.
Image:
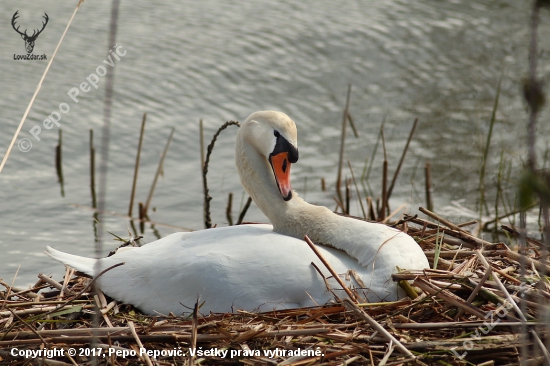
258	267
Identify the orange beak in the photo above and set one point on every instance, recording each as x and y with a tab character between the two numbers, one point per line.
281	169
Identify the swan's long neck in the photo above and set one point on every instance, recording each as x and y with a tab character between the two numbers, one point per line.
294	217
298	218
258	180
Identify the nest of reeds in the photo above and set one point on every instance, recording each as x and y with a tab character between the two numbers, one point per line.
477	307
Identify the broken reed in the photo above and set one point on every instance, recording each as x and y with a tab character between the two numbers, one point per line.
58	162
466	309
136	165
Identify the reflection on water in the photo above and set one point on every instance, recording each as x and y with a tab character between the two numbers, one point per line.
218	61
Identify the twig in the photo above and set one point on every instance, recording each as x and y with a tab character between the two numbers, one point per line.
92	170
461	325
136	166
243	212
368	166
331	270
445	222
38	88
201	141
159	169
46	309
54	283
507	253
14	313
476	290
515	306
326	282
486	152
207	197
342	144
466	239
352	125
145	356
112	333
390	190
374	324
194	325
228	209
370	205
348	198
427	173
393	213
85	288
59	162
383	208
447	296
357	190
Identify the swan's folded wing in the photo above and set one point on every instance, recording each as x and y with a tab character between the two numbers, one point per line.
82	264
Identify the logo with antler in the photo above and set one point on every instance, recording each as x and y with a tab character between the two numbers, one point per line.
29	40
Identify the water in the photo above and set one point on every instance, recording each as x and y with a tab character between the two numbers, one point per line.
220	61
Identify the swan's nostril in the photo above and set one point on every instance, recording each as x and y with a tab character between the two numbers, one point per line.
284	165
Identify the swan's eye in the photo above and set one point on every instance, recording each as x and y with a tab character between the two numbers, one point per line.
276	133
284	166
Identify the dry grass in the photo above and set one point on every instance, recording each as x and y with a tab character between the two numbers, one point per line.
462	316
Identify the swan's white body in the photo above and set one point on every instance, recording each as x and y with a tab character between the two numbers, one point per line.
258	267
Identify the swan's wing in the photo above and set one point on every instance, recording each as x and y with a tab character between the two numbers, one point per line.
243	267
82	264
377	245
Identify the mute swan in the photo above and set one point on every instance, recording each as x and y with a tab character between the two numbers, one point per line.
258	267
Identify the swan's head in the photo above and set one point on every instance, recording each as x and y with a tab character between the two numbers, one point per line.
273	135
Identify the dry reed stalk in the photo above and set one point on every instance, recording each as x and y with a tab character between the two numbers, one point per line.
207	197
138	341
396	174
359	199
53	283
475	291
31	102
342	144
428	186
352	125
58	162
467	239
447	296
394	212
201	142
424	326
92	170
229	208
373	323
367	168
372	214
445	222
194	326
383	208
330	269
136	165
348	197
160	167
244	210
512	302
482	201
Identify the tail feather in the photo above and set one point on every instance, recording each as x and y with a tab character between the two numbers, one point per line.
82	264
